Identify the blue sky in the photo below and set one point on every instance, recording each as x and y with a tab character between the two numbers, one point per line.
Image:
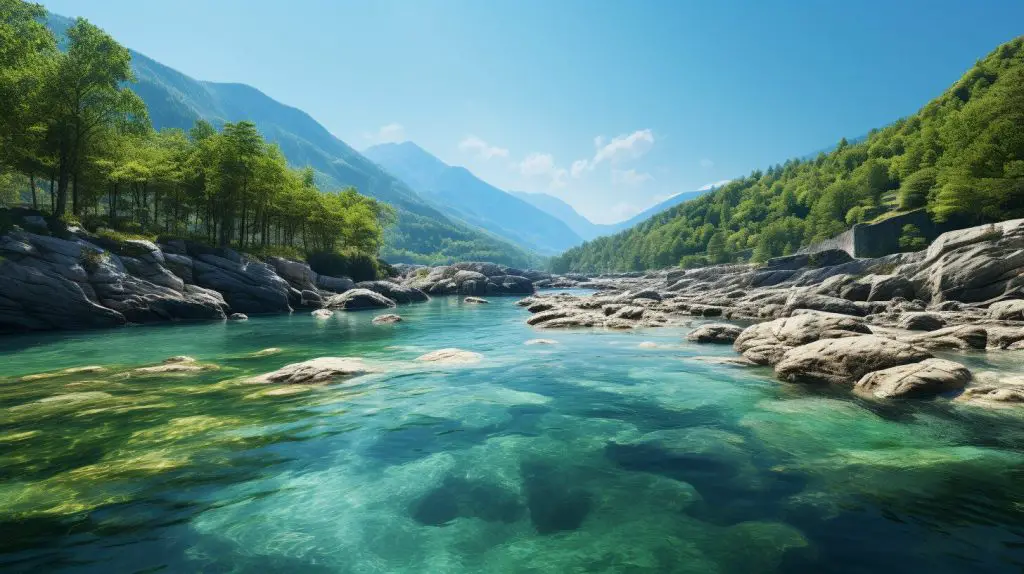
610	105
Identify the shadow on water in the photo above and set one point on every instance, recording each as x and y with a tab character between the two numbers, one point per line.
421	437
458	497
556	504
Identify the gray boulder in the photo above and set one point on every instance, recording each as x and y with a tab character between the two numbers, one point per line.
765	343
334	284
1012	309
359	299
247	286
928	378
921	321
394	291
845	360
721	333
298	274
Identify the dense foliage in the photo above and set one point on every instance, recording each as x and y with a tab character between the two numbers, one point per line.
962	155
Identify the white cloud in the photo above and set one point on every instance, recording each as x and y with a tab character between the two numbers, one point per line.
481	149
706	163
579	166
620	148
629	177
715	184
537	164
391	133
624	147
543	165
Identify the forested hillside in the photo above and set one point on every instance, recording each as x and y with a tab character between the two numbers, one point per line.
962	154
420	232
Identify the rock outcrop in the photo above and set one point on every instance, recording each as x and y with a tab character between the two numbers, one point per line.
830	318
845	360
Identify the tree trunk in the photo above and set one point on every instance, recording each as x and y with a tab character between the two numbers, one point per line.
63	176
35	196
112	208
52	201
74	193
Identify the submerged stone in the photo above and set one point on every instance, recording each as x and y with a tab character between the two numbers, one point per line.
319	370
451	356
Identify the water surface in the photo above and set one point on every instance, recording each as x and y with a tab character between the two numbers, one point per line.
605	452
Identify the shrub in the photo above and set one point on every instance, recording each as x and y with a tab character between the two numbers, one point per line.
91	259
692	261
911	240
262	252
358	266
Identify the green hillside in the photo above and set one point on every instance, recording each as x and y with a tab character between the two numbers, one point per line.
961	155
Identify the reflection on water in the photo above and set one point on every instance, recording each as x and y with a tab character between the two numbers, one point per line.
595	454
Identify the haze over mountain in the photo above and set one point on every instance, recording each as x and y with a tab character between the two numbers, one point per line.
462	195
589	230
422	232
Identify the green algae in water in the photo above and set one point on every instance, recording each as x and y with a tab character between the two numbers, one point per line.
595	454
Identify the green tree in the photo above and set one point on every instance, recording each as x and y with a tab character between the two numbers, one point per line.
86	94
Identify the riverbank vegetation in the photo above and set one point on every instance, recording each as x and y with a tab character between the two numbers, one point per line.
961	155
76	143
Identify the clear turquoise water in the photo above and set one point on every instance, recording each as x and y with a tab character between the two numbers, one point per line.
597	454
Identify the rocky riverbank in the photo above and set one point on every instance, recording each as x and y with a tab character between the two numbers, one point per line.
84	281
873	325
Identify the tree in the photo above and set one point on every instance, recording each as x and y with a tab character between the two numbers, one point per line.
86	94
26	49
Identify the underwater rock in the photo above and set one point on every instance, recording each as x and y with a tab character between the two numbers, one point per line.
928	378
723	333
389	318
541	342
845	360
238	317
476	300
319	370
175	365
451	356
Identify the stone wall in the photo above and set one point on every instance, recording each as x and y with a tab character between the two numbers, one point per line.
883	238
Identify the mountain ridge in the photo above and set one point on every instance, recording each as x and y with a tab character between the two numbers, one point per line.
423	234
463	195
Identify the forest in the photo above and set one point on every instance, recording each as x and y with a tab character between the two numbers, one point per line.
76	144
961	155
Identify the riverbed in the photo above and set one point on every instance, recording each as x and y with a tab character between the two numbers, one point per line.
587	451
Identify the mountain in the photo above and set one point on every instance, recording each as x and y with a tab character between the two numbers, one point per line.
462	195
422	233
960	160
589	230
656	209
565	212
